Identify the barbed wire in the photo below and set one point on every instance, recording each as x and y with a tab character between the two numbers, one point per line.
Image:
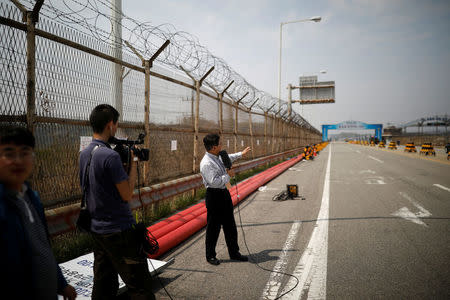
185	52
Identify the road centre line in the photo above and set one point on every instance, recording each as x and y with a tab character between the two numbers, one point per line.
311	269
442	187
374	158
274	282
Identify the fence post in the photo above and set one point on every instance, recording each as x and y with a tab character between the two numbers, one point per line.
196	126
116	45
197	84
31	18
290	132
266	120
273	129
31	71
249	110
281	133
220	96
265	133
221	105
147	64
236	123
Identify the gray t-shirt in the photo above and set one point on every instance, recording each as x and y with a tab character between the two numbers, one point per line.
109	212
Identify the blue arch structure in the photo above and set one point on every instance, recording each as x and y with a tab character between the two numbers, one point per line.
352	125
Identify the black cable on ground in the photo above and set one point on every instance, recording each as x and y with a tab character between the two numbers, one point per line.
143	211
248	250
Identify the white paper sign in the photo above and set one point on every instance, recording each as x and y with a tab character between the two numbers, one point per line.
173	145
228	143
84	142
242	143
257	142
79	273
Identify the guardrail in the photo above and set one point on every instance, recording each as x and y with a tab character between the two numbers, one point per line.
62	219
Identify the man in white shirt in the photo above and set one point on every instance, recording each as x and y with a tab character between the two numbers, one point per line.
218	200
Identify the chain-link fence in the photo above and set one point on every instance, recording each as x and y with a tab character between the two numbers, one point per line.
52	76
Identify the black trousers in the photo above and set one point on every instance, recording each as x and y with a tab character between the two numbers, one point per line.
114	254
219	208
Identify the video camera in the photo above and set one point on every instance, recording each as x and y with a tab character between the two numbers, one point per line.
124	147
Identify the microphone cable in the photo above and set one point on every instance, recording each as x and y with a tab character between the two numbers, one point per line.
248	250
143	212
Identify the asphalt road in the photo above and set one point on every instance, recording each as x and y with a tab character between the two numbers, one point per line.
373	224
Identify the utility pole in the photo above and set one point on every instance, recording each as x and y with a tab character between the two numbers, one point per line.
116	45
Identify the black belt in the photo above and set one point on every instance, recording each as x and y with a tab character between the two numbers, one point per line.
216	189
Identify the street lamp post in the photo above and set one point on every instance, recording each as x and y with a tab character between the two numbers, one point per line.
313	19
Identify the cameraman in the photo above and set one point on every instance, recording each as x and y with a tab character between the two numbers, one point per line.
109	189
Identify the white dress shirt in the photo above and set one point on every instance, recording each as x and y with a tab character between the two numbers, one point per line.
213	171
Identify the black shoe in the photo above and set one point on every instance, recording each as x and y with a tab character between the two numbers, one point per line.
214	261
239	257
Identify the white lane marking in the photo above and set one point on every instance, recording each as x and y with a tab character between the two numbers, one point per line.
442	187
264	188
406	214
274	282
423	211
374	158
358	151
367	171
375	180
311	269
295	169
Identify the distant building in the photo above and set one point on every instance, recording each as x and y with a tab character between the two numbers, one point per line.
391	131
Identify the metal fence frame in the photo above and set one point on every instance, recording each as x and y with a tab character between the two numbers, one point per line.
280	133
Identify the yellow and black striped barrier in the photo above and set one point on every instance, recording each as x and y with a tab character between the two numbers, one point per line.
410	147
392	145
427	149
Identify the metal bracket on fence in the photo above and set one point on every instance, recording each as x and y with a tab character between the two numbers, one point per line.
206	75
122	77
158	52
187	73
278	111
242	98
251	106
228	86
34	14
154	56
266	110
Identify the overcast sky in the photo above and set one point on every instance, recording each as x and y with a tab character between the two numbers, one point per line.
390	59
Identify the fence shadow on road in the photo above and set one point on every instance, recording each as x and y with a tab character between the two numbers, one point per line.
342	219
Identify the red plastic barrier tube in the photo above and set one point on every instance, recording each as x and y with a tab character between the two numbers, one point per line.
175	217
179	222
